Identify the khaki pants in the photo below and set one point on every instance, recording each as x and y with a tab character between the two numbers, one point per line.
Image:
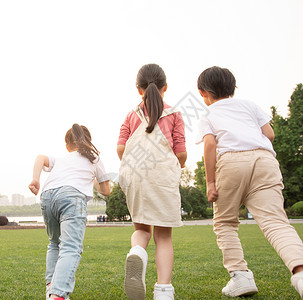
253	178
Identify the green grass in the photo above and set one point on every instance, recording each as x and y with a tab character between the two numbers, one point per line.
35	210
198	271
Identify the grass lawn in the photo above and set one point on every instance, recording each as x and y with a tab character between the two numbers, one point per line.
198	271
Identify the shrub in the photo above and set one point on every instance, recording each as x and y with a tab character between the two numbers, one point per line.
116	208
3	220
288	211
297	209
209	212
193	201
243	213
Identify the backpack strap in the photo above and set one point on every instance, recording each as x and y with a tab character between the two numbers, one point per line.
166	112
138	110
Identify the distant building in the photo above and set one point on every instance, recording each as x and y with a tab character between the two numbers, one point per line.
30	201
17	200
4	200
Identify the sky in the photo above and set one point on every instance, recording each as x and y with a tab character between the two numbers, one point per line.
65	62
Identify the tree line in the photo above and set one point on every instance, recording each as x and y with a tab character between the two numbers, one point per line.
287	144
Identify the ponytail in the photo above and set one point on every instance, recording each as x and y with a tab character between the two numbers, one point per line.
79	136
153	104
151	78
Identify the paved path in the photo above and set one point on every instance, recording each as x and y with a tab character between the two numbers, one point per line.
124	224
210	222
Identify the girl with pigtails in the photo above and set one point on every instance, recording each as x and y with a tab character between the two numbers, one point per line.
152	150
63	204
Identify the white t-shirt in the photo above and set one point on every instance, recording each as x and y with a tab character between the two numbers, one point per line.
75	170
236	125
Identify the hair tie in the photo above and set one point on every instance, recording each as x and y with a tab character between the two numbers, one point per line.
149	82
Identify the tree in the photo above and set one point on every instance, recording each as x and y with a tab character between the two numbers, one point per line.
185	201
193	201
288	146
295	121
200	179
198	202
97	197
186	177
116	207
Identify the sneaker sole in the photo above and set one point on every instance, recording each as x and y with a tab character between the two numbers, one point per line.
133	284
242	292
297	283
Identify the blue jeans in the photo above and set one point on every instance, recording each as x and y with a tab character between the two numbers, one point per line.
64	213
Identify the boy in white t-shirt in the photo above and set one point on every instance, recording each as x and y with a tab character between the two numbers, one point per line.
241	168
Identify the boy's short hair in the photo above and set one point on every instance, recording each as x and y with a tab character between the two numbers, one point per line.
220	82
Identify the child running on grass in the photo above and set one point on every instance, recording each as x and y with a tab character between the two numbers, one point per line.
246	172
63	203
152	150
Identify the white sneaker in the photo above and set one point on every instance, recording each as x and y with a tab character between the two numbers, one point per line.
241	283
164	292
47	292
297	282
135	269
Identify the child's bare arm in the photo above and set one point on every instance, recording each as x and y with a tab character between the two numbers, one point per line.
210	147
120	150
102	187
182	156
268	132
40	162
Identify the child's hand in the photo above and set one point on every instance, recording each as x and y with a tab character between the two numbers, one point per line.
212	193
34	186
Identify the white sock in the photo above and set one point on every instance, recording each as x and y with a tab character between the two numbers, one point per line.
163	286
138	250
